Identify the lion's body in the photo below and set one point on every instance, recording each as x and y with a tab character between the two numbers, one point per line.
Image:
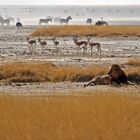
100	80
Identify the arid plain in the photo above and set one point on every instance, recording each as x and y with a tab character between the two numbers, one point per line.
42	94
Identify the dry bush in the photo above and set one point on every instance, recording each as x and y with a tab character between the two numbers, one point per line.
81	30
108	117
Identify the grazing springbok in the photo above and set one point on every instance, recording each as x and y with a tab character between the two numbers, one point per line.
4	21
65	20
56	43
19	26
89	21
32	44
80	44
42	43
92	44
46	21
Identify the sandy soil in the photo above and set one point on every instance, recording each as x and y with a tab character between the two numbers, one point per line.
14	47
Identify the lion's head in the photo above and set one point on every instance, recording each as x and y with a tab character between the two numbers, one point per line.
117	74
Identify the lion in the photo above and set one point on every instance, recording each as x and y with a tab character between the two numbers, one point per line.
117	74
100	80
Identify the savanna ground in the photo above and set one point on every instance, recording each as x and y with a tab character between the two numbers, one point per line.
42	95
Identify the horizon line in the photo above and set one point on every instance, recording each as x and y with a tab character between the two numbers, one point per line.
70	5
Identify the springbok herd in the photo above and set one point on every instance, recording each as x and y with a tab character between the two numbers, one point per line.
81	45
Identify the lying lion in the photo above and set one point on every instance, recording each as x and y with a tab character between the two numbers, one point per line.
115	76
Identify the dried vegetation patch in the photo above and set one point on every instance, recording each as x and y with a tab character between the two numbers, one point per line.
81	30
108	117
47	72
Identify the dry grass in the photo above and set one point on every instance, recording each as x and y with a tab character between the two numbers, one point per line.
71	30
110	117
134	62
46	72
133	74
22	72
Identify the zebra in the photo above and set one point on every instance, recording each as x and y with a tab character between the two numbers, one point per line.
65	20
47	20
4	21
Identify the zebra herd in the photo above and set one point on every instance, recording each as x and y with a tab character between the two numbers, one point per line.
47	20
67	19
56	20
81	45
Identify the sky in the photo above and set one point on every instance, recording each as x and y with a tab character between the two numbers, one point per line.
70	2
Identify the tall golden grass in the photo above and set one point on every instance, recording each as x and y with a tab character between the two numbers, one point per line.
47	72
25	72
134	62
81	30
110	117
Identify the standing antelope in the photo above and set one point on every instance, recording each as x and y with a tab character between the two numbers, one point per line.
32	44
92	44
42	43
56	43
79	44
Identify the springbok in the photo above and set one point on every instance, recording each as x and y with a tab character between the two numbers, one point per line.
79	44
92	44
47	20
42	43
32	44
65	20
56	43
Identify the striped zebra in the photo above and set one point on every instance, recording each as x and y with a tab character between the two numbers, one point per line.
46	21
4	21
65	20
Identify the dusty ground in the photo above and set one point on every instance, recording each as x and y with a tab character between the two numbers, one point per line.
14	47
